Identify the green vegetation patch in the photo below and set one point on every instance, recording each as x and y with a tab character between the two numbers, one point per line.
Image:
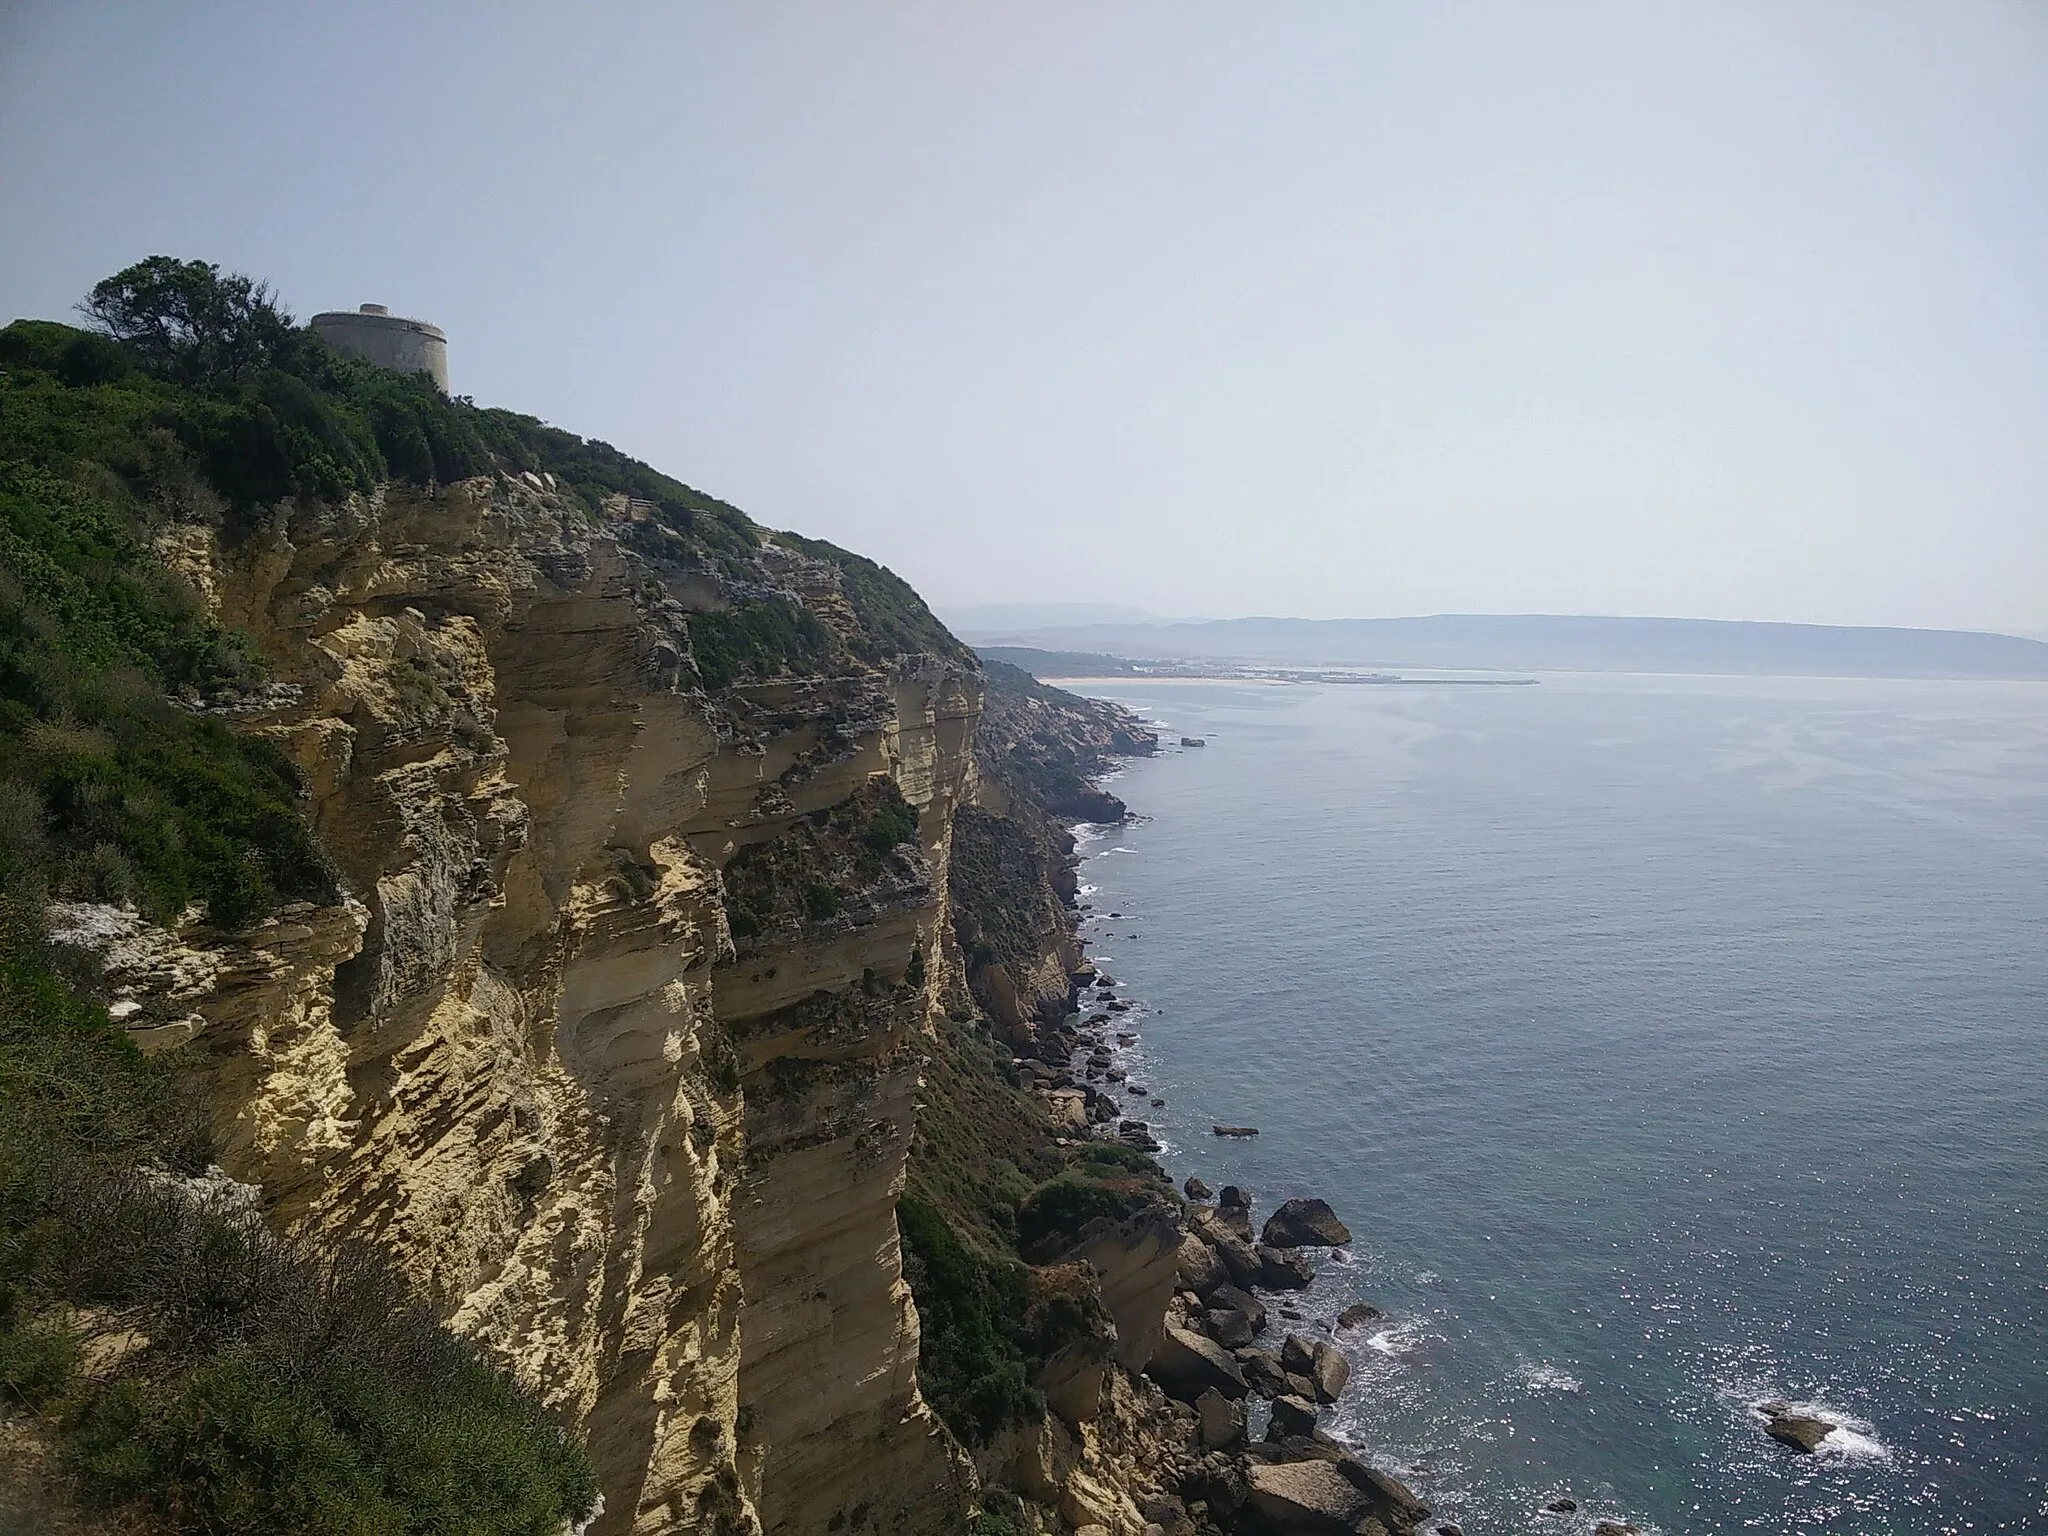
821	865
766	638
985	1324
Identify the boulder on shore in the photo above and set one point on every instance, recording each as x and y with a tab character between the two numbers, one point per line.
1304	1224
1201	1269
1195	1189
1222	1422
1234	1195
1291	1416
1263	1372
1228	1327
1236	1300
1186	1365
1328	1496
1329	1370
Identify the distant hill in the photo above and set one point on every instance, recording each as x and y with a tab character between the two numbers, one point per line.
1560	643
993	617
1055	663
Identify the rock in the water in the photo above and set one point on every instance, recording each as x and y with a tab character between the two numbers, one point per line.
1801	1431
1291	1416
1329	1370
1195	1189
1357	1314
1222	1423
1451	1530
1235	1130
1304	1224
1283	1269
1616	1528
1186	1365
1562	1506
1234	1195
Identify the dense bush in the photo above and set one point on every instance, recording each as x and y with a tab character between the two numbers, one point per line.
765	638
1059	1208
972	1322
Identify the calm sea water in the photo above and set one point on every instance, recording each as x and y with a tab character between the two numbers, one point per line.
1668	1044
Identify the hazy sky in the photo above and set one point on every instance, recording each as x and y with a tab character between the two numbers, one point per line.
1323	309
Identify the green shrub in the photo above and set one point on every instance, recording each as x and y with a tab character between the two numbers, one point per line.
972	1321
1061	1207
765	638
37	1358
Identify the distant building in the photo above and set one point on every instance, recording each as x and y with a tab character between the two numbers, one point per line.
376	335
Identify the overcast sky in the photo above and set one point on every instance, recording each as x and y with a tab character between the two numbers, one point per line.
1321	309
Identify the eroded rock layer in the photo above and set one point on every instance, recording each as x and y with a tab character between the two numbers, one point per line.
652	1168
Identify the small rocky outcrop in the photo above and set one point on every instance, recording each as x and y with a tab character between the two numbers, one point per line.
1235	1130
1358	1314
1304	1223
1195	1189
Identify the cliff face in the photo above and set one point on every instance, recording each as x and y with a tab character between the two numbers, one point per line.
652	1167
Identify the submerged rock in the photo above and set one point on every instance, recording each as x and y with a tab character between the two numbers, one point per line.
1235	1130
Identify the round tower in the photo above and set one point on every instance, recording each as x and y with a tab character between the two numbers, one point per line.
376	335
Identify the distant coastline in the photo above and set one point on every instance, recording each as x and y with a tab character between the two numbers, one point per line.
1515	644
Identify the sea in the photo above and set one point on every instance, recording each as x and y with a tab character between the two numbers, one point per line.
1669	1045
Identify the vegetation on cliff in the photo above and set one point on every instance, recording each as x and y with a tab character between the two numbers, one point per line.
190	1360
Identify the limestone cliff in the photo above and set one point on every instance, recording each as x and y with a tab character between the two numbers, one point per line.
651	1161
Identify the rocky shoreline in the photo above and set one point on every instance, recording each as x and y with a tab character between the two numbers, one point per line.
1221	1350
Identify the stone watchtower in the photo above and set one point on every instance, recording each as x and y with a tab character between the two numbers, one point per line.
376	335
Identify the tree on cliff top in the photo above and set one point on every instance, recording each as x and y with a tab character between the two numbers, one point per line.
188	322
